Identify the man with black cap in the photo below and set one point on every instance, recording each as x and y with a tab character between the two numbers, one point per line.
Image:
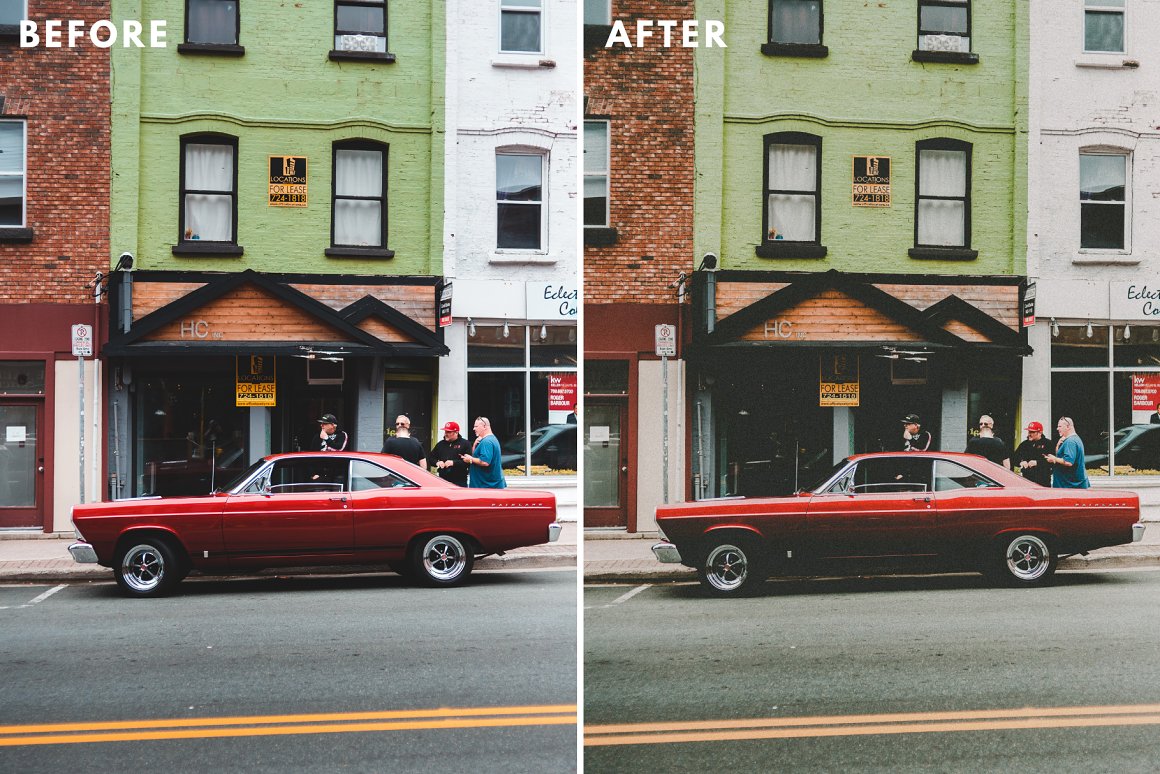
333	439
914	438
447	455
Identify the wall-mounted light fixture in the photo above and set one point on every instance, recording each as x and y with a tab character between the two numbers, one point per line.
471	327
1089	329
1054	327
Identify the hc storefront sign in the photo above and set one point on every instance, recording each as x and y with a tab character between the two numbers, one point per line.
197	329
1134	300
552	301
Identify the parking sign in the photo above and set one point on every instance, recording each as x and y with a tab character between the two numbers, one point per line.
82	340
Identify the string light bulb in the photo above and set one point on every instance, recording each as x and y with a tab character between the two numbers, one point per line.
1127	331
506	330
470	327
1089	329
1054	328
543	332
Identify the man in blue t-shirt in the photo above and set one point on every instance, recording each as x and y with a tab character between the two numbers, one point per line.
485	463
1067	464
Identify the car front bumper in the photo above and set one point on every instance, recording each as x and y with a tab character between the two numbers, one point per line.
1137	532
554	530
83	553
666	552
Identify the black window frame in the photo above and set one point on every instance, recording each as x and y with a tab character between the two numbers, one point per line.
944	252
220	49
783	248
950	57
204	246
356	251
384	56
773	47
11	32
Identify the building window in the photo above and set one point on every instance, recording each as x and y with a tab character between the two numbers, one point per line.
1106	378
519	200
523	379
11	12
596	173
795	21
943	203
359	213
793	200
1103	208
598	12
1103	26
520	25
944	25
12	174
209	176
360	25
211	21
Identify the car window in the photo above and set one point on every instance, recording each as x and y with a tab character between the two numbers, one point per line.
308	474
951	475
365	476
884	475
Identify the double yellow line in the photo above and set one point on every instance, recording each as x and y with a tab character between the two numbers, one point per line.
282	725
864	725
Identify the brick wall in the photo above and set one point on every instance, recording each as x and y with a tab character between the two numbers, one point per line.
64	95
647	95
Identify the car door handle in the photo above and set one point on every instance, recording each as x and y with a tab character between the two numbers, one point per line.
922	499
338	499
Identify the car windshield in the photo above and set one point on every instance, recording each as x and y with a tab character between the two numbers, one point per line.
238	479
816	484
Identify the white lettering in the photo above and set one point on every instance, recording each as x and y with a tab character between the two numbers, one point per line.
667	25
714	30
643	31
689	34
157	33
28	36
106	25
74	32
52	33
133	34
618	35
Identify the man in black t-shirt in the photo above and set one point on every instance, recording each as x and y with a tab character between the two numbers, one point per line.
989	446
403	445
1030	456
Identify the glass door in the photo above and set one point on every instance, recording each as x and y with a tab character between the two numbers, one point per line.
605	464
21	465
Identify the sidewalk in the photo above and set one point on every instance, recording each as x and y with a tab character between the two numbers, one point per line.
44	558
614	556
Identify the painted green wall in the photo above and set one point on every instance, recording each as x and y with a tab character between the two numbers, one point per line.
283	97
865	98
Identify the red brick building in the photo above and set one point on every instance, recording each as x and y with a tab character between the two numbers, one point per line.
54	239
638	236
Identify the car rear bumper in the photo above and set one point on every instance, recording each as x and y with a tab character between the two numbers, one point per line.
83	553
554	530
1137	532
666	552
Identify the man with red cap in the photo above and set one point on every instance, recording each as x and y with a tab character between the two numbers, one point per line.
447	455
1030	458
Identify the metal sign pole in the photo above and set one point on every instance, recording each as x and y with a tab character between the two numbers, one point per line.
81	363
665	425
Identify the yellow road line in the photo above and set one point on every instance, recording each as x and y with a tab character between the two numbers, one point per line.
863	725
283	725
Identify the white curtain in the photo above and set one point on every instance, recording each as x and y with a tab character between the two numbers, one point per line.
209	168
358	222
796	21
942	222
791	216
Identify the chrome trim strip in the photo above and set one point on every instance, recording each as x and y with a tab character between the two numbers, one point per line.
554	530
1137	532
666	552
83	553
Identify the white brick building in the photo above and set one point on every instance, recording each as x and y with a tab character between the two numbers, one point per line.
1093	231
511	227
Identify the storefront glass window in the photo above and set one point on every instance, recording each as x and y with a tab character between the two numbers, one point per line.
191	437
606	377
525	384
21	377
1116	409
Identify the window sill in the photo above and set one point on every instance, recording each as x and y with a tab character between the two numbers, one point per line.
945	57
529	61
9	33
599	236
14	234
516	256
1118	258
780	248
943	253
1107	62
196	247
358	252
802	50
596	35
384	57
211	49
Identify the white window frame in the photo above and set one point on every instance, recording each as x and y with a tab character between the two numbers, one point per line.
543	201
23	15
1096	7
22	174
504	8
604	172
1126	204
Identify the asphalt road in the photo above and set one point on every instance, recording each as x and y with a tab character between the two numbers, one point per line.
904	674
334	674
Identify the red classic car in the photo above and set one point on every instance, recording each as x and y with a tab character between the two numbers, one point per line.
296	510
951	511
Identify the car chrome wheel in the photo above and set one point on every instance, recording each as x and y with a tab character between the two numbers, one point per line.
726	568
147	568
444	559
1029	559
